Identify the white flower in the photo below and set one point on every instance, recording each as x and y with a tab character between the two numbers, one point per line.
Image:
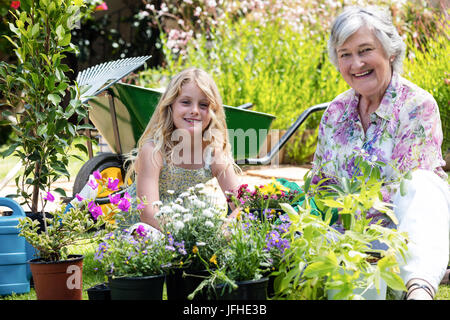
177	208
170	191
187	217
200	244
209	224
208	213
166	210
157	204
176	215
199	204
184	194
178	225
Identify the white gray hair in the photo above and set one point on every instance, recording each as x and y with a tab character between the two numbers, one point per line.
375	18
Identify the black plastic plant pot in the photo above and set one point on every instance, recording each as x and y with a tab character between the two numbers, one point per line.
246	290
137	288
99	292
179	287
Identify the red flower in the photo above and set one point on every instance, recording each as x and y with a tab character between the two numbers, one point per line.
15	4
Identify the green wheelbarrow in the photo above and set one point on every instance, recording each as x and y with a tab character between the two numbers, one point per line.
122	111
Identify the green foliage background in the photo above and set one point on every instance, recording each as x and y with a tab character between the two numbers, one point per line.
283	71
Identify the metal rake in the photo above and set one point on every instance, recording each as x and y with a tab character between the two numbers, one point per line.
100	77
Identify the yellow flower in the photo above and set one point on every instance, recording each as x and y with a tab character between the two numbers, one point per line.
238	215
213	259
195	249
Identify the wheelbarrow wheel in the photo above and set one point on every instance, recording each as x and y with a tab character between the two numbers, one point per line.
109	165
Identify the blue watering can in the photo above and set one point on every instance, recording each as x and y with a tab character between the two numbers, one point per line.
15	251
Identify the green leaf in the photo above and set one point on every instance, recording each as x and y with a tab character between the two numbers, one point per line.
66	40
35	30
324	266
54	98
10	150
61	191
60	32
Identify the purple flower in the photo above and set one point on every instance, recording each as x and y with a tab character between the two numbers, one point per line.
93	184
79	198
102	248
95	210
49	197
114	199
124	205
274	240
97	175
113	185
141	231
140	206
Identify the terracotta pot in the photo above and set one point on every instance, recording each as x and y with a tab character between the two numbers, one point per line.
61	280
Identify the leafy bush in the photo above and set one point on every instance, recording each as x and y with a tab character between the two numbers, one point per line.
428	67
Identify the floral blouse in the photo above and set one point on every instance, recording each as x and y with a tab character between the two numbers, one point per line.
404	133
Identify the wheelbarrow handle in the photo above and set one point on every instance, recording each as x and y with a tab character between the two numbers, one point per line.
268	157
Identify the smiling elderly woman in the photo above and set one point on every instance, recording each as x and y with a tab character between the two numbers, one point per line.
396	122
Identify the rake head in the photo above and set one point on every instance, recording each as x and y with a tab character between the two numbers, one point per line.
100	77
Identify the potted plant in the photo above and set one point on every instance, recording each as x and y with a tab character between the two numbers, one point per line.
241	267
57	274
193	227
132	261
40	96
341	262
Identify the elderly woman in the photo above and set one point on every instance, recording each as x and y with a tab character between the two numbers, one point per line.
396	122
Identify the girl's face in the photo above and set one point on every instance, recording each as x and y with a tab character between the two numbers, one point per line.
363	63
190	111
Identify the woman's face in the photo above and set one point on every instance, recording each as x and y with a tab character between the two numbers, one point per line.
364	64
190	111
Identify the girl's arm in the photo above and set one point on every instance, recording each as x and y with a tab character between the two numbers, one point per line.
225	174
147	182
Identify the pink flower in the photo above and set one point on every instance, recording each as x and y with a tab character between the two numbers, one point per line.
113	184
79	198
140	206
101	7
93	184
95	210
49	197
124	205
114	199
97	175
141	230
15	4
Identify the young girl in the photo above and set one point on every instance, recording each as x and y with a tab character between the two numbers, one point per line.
184	143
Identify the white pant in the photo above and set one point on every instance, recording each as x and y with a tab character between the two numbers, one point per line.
424	213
